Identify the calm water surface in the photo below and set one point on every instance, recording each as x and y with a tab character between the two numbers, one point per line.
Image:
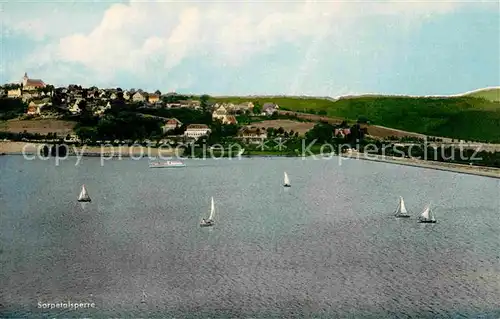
328	247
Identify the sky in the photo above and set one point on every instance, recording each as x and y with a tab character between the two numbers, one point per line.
316	48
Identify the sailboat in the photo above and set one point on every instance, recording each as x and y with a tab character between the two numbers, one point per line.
427	216
287	181
401	210
210	221
84	196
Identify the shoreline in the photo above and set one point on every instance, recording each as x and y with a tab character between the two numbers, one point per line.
485	171
16	148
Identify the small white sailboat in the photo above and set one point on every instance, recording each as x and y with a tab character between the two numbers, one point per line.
210	221
84	196
286	182
143	297
427	216
401	210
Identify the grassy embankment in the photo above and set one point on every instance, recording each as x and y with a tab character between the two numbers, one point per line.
469	117
37	125
490	94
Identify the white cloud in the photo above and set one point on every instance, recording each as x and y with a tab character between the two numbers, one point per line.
140	36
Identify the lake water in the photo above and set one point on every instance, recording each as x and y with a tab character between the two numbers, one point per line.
328	247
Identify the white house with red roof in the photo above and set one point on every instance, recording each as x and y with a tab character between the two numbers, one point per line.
33	109
171	124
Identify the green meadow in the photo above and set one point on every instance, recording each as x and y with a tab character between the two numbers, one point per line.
490	94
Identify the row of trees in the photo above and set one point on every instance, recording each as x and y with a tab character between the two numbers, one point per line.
13	136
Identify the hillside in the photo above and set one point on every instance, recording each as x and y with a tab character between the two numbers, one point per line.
490	94
461	117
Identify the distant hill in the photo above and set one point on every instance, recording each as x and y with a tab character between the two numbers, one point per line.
470	117
490	94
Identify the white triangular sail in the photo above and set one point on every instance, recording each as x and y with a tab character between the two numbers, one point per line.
426	212
84	196
286	179
402	208
431	215
212	210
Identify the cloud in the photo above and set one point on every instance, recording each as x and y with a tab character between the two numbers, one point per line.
130	34
146	37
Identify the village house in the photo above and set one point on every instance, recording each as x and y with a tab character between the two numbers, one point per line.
220	112
269	108
171	124
138	97
194	104
229	119
99	110
76	94
32	84
230	107
74	108
28	95
252	135
15	93
102	94
184	103
153	98
33	109
113	96
126	95
196	130
173	105
243	107
225	107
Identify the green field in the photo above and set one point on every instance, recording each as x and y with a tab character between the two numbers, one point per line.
463	117
490	94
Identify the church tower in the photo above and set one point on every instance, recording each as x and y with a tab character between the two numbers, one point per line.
25	79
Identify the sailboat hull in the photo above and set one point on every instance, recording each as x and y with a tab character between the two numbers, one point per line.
427	221
84	200
206	224
402	216
287	185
